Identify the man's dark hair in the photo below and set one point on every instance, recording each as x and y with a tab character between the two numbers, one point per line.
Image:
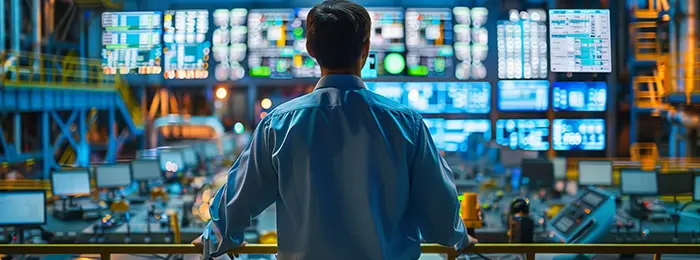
337	31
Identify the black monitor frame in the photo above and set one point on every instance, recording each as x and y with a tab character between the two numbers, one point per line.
660	176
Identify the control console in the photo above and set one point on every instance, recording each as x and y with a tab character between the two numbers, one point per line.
585	220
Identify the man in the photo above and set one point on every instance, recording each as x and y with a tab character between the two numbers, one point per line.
353	174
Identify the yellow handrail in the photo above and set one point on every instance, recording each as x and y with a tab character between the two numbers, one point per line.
105	251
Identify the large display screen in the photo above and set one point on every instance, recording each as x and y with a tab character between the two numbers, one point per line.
578	134
187	49
457	131
113	176
448	97
131	43
522	45
579	96
390	90
229	43
525	134
70	182
387	40
580	40
637	182
523	96
23	208
271	42
429	42
471	42
595	173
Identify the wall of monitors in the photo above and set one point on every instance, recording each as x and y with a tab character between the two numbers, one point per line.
579	96
438	97
578	134
525	134
471	42
429	40
523	95
229	43
451	135
187	49
522	45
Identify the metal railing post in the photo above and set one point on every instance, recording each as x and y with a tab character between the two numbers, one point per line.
105	256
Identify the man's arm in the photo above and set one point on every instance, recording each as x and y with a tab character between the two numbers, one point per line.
433	194
251	188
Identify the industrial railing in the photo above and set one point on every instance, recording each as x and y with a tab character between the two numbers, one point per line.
529	250
31	69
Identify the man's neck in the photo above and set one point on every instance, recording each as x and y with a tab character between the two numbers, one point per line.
327	72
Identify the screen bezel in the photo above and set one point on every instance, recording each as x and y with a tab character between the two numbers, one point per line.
655	172
612	170
53	187
97	181
43	192
131	170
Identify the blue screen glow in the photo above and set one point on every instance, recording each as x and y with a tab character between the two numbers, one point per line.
523	96
578	134
390	90
579	96
456	132
525	134
436	126
448	97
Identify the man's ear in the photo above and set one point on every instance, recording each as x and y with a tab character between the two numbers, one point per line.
309	49
365	49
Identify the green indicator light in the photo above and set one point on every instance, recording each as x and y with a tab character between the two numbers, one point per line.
238	128
309	62
298	32
261	71
281	65
418	71
394	63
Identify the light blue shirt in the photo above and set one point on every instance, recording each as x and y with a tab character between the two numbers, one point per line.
354	175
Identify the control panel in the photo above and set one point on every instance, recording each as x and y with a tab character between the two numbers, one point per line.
585	220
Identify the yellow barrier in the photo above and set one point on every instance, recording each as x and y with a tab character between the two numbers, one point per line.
529	250
31	69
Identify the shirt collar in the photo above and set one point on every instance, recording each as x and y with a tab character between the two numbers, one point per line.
341	81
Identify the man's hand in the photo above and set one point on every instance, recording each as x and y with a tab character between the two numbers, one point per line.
472	242
197	242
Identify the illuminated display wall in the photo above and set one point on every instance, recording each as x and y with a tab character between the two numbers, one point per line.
187	49
471	42
131	43
522	45
229	40
579	96
523	96
429	42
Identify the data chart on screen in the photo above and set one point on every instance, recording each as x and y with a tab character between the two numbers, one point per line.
27	208
457	131
471	40
131	43
580	40
70	182
578	134
579	96
523	95
271	42
390	90
187	49
429	40
522	45
387	40
525	134
229	43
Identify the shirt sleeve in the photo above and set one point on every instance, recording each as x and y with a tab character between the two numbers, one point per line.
433	196
251	188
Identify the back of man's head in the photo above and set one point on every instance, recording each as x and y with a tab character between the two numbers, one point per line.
338	34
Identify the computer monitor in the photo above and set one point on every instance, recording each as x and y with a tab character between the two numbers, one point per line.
28	208
675	183
171	160
146	170
70	182
595	173
113	175
638	182
537	173
560	168
696	187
